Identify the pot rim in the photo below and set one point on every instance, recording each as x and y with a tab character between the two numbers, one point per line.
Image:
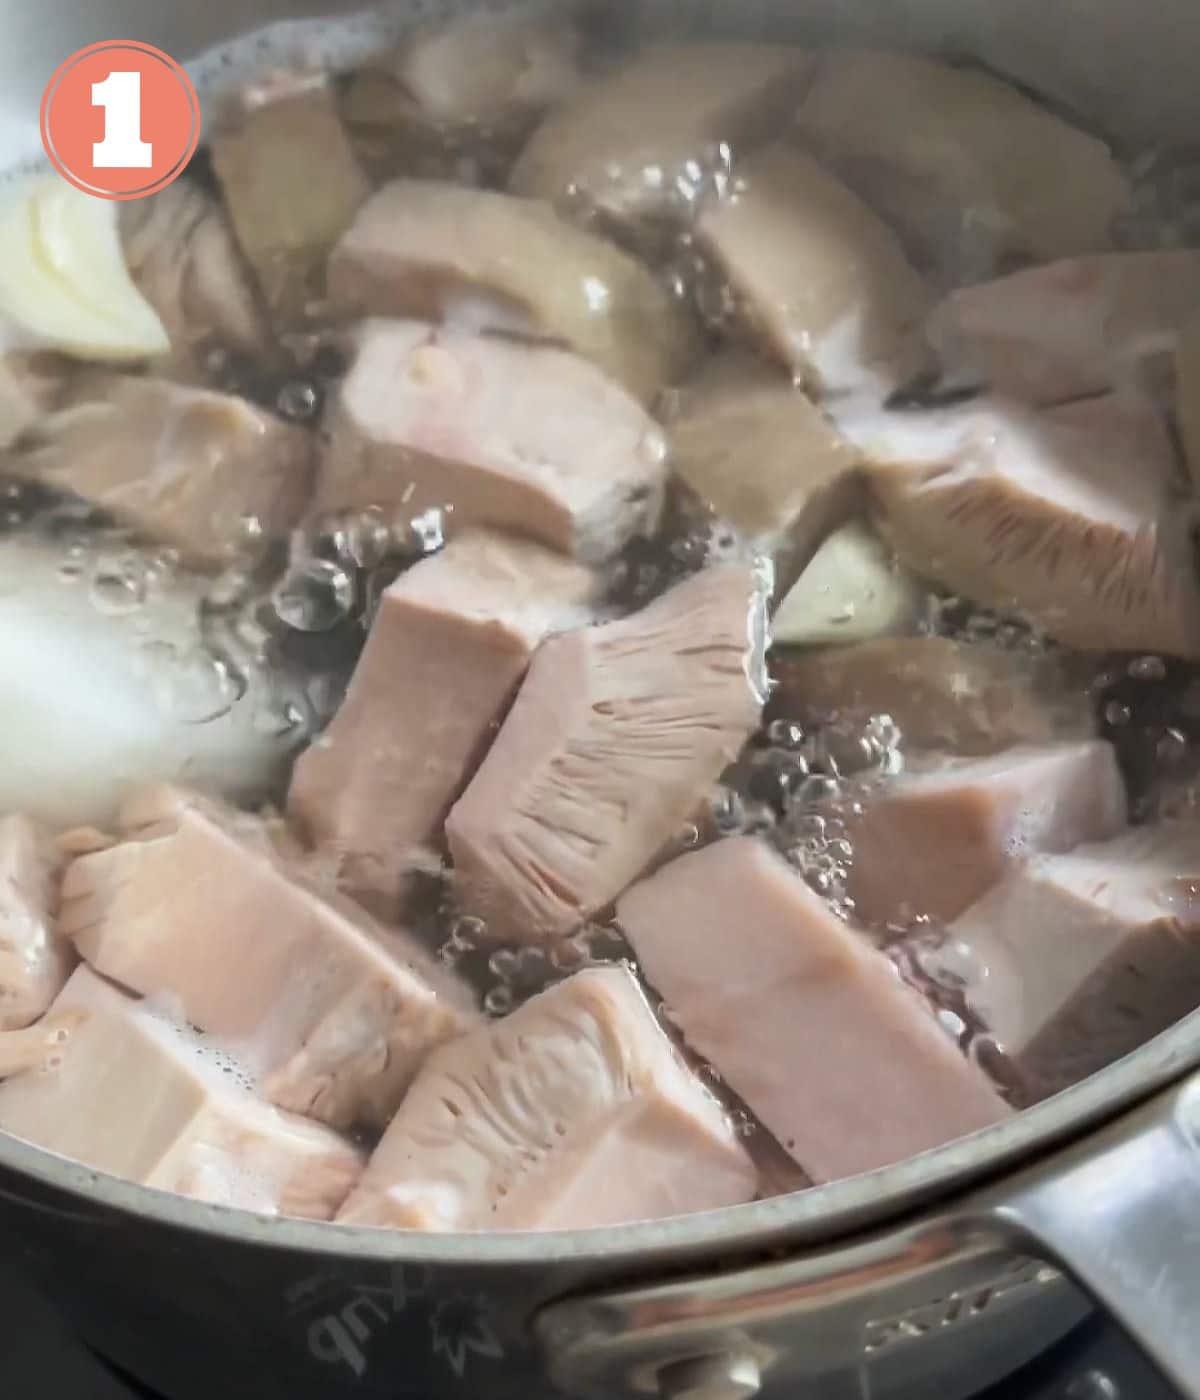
805	1218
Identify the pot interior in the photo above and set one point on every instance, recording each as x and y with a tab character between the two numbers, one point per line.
1124	72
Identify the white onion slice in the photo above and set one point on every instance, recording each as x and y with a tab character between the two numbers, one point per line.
63	280
852	591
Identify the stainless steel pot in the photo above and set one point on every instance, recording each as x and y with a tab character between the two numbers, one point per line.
946	1270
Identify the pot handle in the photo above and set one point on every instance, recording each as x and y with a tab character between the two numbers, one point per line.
1120	1214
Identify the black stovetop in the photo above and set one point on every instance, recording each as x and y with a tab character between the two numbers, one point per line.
41	1360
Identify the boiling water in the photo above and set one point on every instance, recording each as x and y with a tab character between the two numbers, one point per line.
304	605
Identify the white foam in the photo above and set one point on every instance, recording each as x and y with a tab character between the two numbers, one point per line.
216	1058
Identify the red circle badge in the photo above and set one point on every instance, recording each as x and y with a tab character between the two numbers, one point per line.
120	119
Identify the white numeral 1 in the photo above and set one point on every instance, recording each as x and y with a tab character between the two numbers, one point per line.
120	94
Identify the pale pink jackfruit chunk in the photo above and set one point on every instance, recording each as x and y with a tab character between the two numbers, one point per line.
292	185
1074	517
1075	960
799	1014
520	437
132	1094
932	842
463	94
448	647
181	253
329	1012
819	277
490	70
488	261
30	386
1187	394
35	958
646	141
1068	329
615	737
976	176
759	451
575	1111
204	472
957	697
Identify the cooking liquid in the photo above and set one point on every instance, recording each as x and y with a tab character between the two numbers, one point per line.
307	603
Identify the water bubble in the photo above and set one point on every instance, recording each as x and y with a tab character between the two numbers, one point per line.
1093	1385
250	529
498	1001
744	1125
952	1023
785	733
280	718
729	812
315	596
816	790
531	961
464	935
811	827
591	944
503	964
1117	714
118	586
690	550
891	765
989	1054
335	537
368	540
1172	748
950	963
215	361
1148	668
723	544
469	930
677	283
883	731
798	767
429	530
194	686
299	401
